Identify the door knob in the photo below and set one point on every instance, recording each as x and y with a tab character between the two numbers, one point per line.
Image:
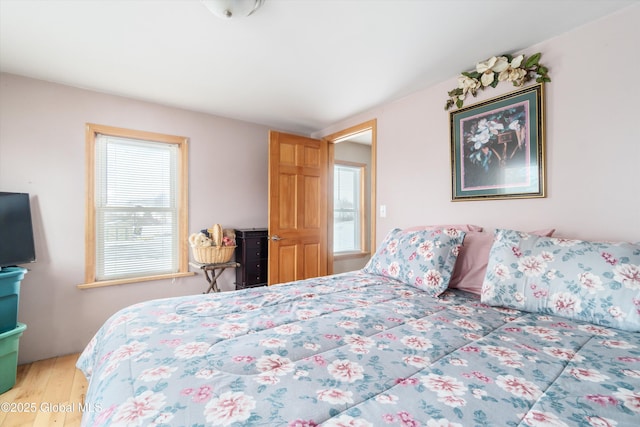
275	237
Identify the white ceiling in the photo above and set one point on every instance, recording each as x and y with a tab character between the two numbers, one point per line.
296	65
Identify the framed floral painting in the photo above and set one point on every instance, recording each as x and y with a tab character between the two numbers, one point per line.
497	147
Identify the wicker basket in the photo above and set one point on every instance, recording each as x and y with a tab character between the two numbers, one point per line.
212	254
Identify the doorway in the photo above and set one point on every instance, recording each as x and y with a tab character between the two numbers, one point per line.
351	182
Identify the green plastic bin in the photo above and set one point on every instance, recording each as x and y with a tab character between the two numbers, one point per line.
10	278
9	357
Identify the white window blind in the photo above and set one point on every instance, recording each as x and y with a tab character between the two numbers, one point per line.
346	209
136	208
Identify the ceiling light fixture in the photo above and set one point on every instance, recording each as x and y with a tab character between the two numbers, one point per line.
228	9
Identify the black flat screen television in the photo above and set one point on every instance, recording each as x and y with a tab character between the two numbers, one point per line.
16	230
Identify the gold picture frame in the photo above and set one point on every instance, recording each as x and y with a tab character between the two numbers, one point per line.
497	147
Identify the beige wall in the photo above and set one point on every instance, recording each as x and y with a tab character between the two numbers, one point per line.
592	144
42	152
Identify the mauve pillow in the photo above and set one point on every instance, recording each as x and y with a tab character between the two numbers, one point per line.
471	265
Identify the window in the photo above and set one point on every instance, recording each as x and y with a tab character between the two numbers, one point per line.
136	206
348	207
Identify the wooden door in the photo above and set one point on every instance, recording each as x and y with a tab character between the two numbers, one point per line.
298	168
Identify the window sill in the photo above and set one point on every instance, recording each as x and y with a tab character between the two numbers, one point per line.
104	283
350	255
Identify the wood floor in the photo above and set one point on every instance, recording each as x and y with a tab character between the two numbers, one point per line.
47	393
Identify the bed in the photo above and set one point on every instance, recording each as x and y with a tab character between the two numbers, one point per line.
549	338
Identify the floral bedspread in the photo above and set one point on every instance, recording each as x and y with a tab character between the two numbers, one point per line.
355	350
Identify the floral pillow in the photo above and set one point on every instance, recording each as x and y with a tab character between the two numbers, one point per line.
596	282
463	227
420	258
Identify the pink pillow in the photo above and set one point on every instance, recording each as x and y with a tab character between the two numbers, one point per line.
463	227
473	259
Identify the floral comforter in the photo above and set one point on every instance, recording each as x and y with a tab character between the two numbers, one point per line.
355	350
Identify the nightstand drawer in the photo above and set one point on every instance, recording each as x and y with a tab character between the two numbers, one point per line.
255	242
255	266
256	273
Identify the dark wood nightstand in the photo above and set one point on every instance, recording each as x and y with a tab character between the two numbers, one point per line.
252	254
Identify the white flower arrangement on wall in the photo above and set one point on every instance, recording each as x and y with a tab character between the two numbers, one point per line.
494	70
